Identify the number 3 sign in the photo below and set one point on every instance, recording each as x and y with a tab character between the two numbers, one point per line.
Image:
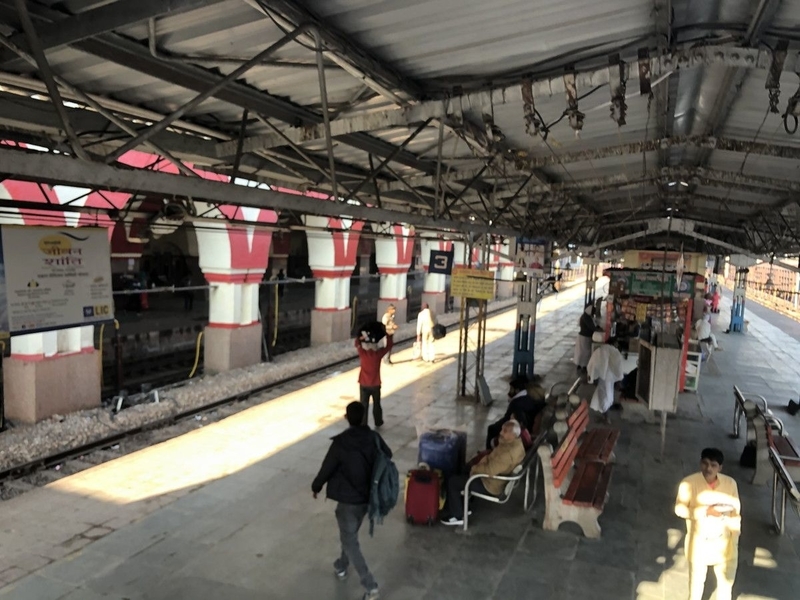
441	262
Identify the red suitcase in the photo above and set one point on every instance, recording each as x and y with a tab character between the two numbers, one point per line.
423	490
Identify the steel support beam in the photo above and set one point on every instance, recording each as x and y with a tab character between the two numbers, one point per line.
47	74
62	170
480	102
634	148
217	87
342	49
102	19
711	177
134	56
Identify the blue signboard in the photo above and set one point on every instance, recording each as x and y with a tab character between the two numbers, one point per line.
441	262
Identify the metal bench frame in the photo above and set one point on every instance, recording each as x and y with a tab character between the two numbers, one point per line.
758	424
788	492
521	470
739	398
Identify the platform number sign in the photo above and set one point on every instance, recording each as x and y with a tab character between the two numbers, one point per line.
441	262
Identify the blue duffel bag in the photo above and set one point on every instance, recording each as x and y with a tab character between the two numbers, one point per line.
443	449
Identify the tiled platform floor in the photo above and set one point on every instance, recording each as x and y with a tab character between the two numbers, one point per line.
227	512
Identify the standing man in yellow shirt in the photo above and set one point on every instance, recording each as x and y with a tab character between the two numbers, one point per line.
709	502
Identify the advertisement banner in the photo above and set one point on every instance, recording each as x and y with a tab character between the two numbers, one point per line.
54	278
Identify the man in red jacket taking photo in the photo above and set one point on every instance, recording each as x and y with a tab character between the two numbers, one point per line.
369	379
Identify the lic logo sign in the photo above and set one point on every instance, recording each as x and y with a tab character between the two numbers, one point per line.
102	310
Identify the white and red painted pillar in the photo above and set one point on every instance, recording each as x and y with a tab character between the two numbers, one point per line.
34	376
394	253
505	269
40	363
433	292
233	259
332	250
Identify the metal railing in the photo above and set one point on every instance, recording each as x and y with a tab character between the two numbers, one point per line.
784	491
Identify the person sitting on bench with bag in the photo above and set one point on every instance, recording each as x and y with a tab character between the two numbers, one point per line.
500	461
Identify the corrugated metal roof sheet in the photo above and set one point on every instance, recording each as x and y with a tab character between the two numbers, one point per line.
438	38
440	43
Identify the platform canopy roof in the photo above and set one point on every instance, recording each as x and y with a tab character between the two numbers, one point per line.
614	123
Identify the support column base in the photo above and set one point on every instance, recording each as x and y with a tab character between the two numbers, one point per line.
401	309
505	289
329	326
225	349
36	390
436	300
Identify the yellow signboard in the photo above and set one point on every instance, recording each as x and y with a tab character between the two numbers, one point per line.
472	283
641	312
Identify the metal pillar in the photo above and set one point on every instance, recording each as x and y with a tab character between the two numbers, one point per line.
525	334
591	283
472	339
471	351
737	306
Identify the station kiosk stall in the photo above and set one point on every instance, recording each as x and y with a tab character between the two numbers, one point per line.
651	315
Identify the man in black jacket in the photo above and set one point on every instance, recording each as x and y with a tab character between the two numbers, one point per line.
347	471
522	404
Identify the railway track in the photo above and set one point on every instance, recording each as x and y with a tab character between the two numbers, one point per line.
41	471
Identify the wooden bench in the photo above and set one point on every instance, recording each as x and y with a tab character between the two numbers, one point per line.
595	444
768	433
576	494
598	444
512	480
784	491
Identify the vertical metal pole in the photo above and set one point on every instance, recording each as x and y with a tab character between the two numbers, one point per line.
462	348
438	189
377	191
2	397
239	145
118	357
326	117
663	431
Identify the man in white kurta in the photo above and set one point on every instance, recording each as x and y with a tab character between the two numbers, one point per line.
703	331
709	502
606	368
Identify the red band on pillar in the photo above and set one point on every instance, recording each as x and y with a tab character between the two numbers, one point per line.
393	270
225	277
233	325
331	273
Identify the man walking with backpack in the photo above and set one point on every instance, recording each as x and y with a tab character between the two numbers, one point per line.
352	479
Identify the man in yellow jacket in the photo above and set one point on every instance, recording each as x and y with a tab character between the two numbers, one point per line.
508	453
709	502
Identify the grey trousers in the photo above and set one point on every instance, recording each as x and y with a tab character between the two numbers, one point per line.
349	517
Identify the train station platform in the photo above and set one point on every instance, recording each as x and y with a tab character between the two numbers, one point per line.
226	511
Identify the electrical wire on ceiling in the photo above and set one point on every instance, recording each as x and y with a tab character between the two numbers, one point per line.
546	127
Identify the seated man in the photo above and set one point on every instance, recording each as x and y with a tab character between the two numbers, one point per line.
500	461
521	403
525	437
703	330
